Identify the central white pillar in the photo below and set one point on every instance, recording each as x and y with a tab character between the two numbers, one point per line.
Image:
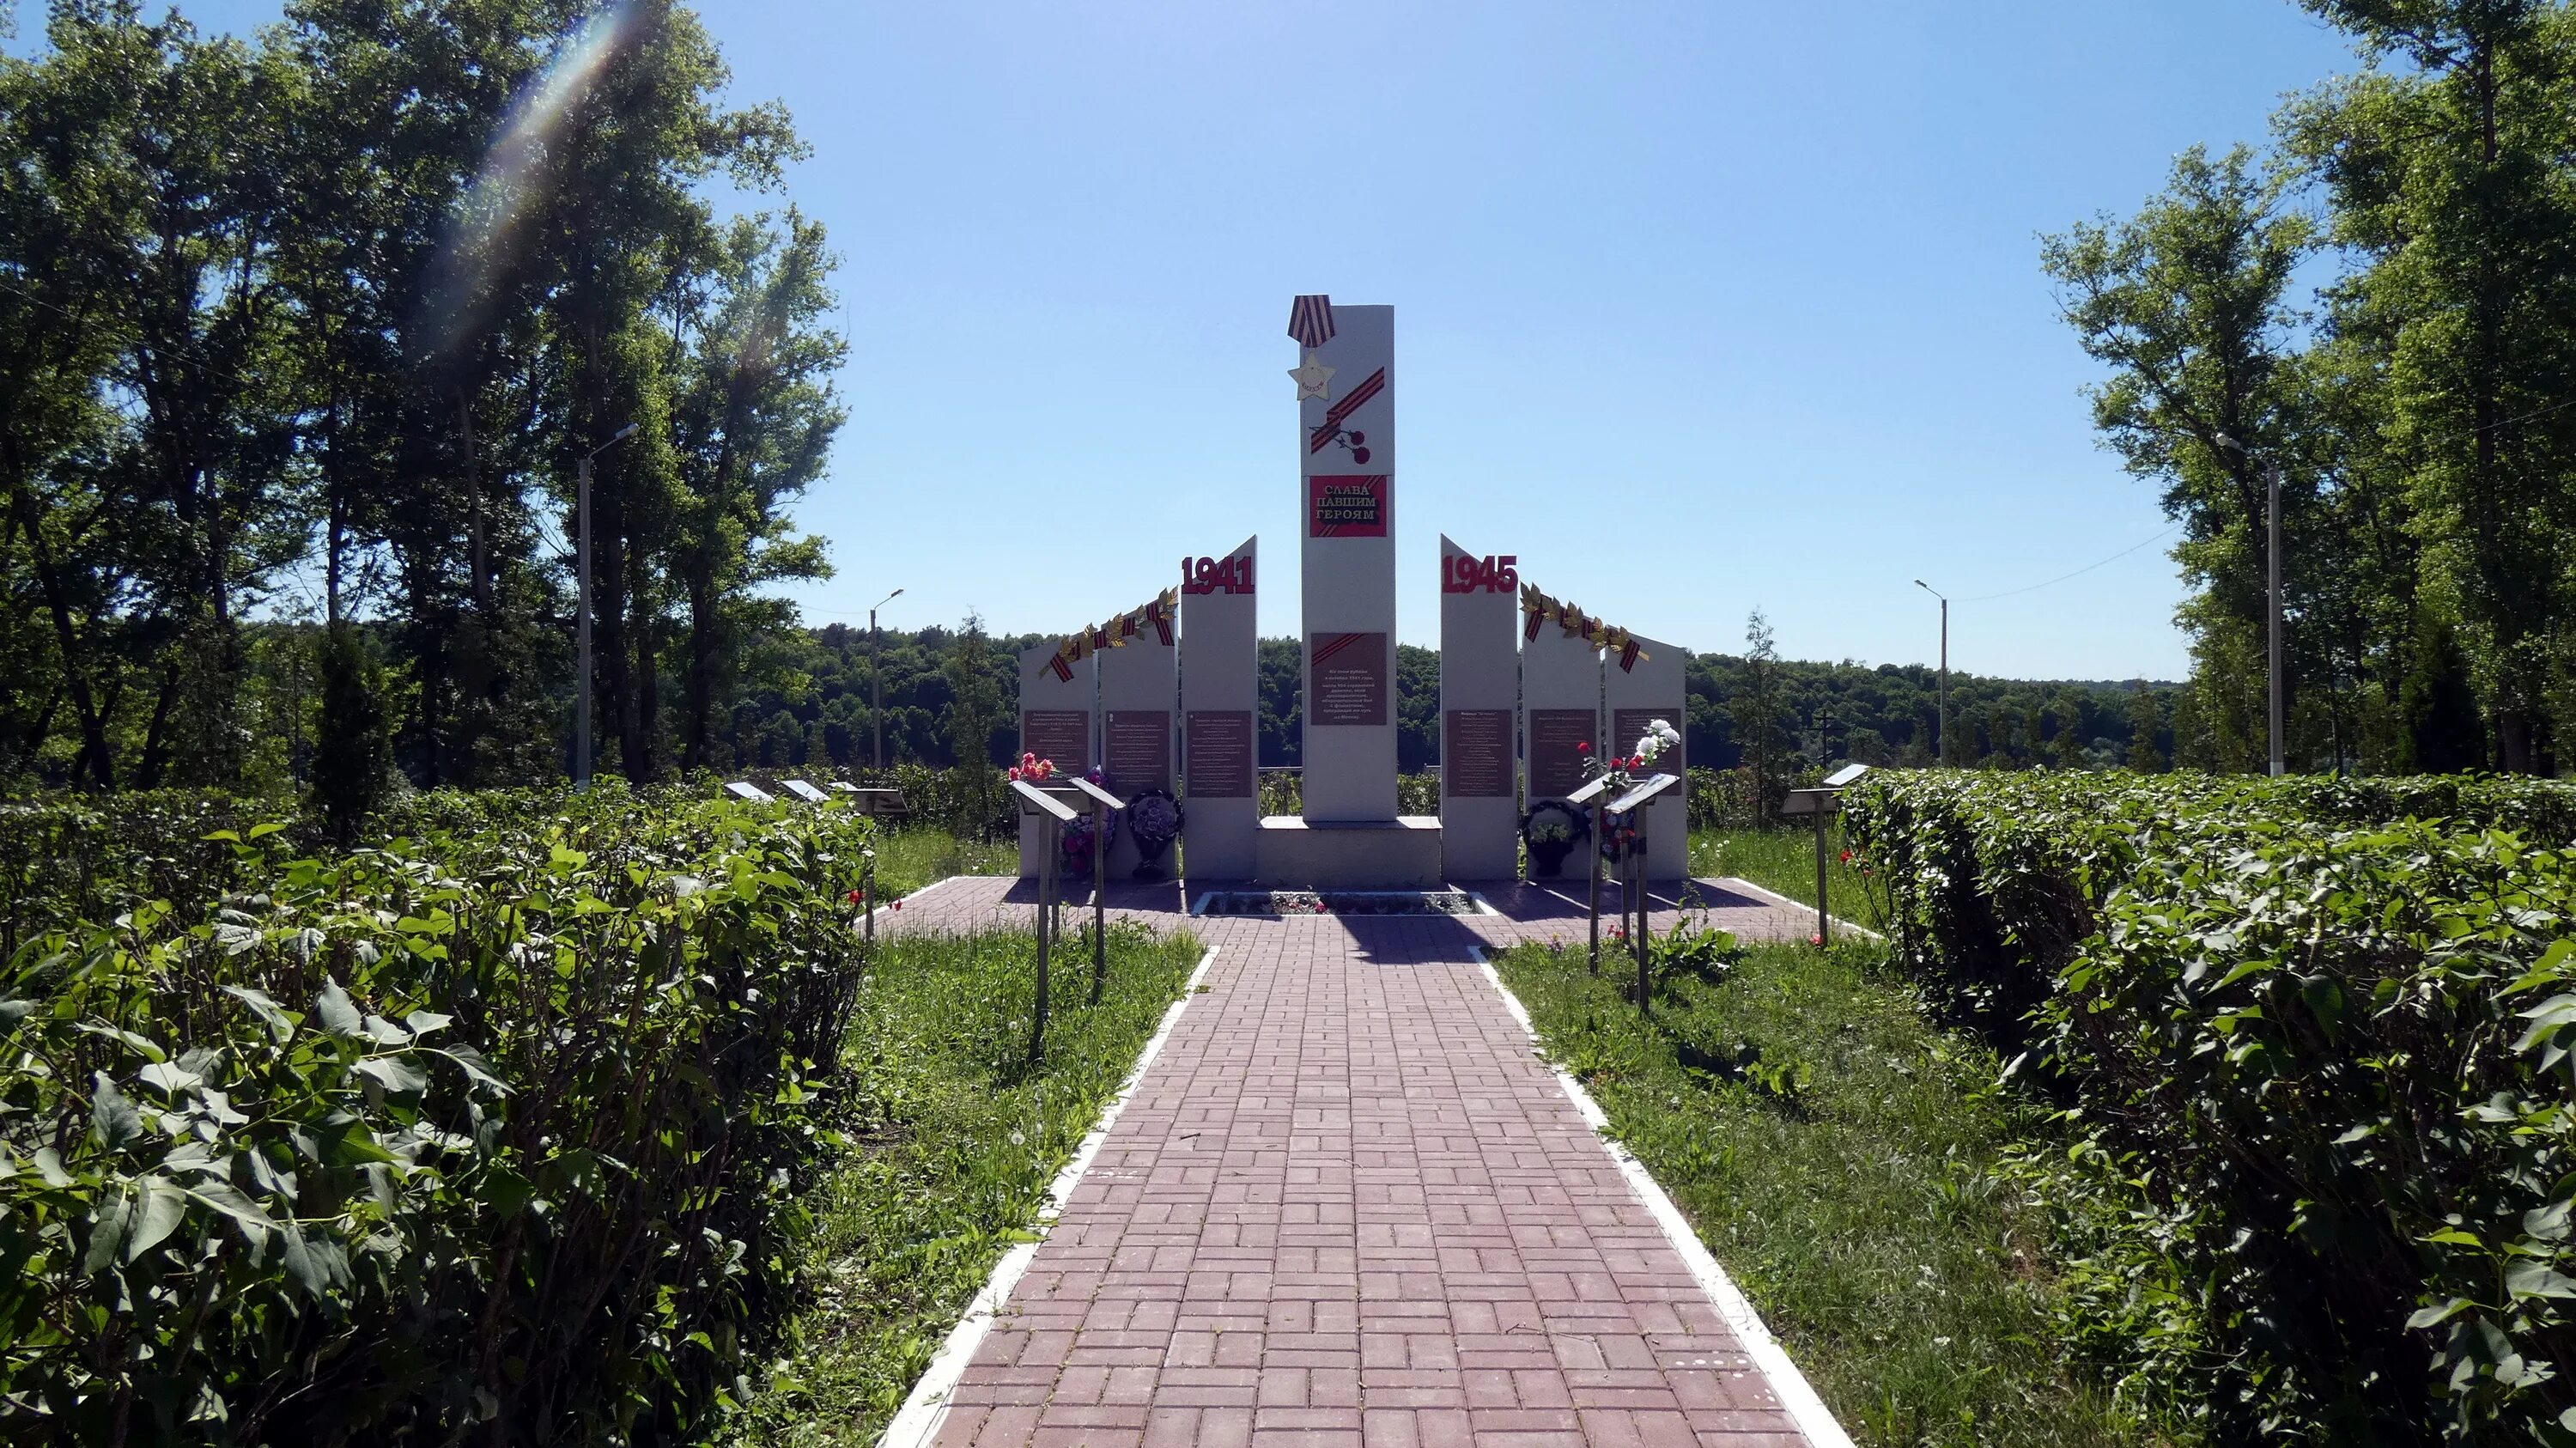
1346	504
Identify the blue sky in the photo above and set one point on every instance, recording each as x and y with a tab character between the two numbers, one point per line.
1700	306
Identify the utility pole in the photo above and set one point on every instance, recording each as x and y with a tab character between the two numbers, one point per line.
876	680
2272	594
1941	725
581	628
2272	507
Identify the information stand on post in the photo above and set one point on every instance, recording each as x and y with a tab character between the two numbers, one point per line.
1590	795
1632	876
1052	815
1103	805
1823	802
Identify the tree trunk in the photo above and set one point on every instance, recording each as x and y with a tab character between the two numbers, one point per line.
58	603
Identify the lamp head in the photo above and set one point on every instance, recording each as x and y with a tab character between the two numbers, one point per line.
624	433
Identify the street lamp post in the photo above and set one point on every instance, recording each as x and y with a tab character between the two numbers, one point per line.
876	678
581	628
1941	726
2271	595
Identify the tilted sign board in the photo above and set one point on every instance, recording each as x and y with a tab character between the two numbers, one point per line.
1479	692
1649	687
1140	694
1560	717
1219	696
1058	710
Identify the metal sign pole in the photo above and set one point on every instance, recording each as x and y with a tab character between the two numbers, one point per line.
1099	899
1054	843
1596	886
1824	921
1634	888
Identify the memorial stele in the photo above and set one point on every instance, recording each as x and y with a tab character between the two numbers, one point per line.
1509	656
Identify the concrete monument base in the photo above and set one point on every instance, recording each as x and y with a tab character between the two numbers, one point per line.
1302	854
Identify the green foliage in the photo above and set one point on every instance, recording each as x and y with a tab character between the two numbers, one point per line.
500	1128
2413	399
277	306
950	1142
2313	1034
353	760
1843	1161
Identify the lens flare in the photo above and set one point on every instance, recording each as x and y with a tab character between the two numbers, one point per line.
489	229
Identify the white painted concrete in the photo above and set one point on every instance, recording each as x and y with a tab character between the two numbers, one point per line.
1349	581
1480	671
916	1424
1797	1396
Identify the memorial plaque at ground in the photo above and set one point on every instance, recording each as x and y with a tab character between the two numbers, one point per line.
1476	754
1220	754
1350	679
1138	752
1061	735
1555	761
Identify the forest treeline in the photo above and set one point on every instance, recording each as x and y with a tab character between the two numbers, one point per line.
2381	303
317	324
814	710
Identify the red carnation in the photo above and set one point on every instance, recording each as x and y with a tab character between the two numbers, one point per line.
855	897
1583	749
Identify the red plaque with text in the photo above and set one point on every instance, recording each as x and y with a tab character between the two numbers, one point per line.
1476	754
1555	764
1348	674
1219	753
1629	726
1060	735
1349	505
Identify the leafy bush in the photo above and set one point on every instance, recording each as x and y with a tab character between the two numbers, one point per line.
502	1129
2323	1067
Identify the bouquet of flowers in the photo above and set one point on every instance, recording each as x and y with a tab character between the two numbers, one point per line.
1033	769
1625	772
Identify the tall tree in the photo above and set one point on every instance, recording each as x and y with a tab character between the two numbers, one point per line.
1760	715
2188	305
2448	172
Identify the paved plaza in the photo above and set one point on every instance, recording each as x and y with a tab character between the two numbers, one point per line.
1348	1204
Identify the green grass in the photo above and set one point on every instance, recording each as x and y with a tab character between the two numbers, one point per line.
1784	860
911	858
951	1141
1838	1155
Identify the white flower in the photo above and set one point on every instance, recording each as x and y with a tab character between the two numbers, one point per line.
1018	1140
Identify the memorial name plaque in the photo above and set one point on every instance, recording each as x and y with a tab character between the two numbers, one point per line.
1062	736
1629	726
1138	752
1555	763
1220	753
1347	506
1349	676
1476	754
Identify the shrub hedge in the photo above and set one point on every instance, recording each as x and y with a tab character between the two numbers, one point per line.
495	1133
2319	1036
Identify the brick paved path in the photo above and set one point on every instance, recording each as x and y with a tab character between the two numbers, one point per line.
1347	1205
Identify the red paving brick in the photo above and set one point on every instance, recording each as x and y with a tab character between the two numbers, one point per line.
1348	1205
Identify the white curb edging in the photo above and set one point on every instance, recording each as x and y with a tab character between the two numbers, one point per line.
1797	1398
917	1422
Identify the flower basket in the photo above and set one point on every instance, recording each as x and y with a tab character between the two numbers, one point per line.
1551	831
1155	818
